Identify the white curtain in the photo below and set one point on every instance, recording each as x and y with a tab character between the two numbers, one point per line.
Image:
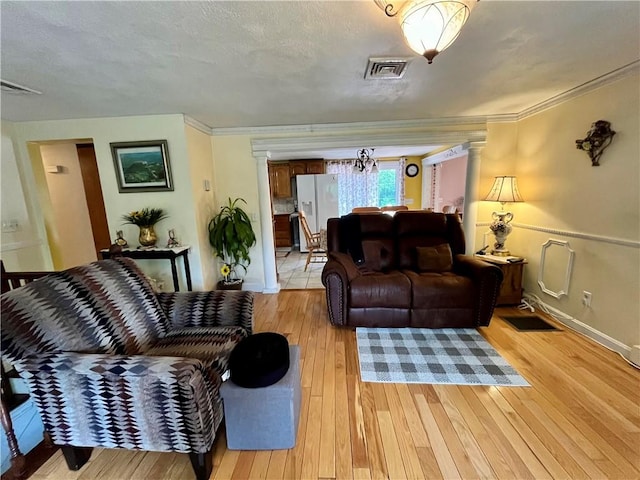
354	190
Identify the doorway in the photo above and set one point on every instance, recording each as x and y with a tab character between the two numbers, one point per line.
71	201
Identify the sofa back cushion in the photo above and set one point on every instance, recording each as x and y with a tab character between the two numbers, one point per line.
367	238
415	229
103	307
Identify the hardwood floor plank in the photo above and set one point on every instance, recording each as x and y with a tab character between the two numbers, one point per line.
408	408
327	460
375	448
277	465
504	446
392	455
243	465
438	445
344	461
408	451
260	465
469	444
227	465
311	453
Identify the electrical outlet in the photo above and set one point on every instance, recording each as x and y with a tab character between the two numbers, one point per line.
586	298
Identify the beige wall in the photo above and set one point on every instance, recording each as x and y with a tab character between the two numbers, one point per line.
102	131
564	193
71	225
237	176
201	170
413	186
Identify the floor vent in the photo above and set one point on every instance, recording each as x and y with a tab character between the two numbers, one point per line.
15	88
386	68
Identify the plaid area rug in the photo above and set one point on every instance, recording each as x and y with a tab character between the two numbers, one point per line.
422	355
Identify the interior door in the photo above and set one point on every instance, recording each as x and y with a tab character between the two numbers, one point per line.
93	194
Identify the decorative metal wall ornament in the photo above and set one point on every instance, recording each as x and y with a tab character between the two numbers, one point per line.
596	141
364	162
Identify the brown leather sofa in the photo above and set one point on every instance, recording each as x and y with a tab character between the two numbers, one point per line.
395	271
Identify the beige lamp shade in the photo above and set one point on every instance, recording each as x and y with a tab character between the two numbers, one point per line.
504	190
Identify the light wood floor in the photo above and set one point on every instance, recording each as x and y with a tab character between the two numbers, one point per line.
580	418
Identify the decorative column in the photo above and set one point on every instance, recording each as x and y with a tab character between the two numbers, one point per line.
266	224
471	196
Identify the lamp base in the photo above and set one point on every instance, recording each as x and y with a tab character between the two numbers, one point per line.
501	228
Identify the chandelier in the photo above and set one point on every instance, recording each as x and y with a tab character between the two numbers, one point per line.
429	26
364	162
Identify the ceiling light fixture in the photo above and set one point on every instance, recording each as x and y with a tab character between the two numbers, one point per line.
364	162
429	26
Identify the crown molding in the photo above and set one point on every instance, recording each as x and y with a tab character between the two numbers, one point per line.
587	87
263	146
353	126
192	122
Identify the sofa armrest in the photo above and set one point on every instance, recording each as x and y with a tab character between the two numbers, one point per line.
345	264
487	278
208	309
337	274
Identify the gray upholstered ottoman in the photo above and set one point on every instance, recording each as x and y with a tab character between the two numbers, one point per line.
264	418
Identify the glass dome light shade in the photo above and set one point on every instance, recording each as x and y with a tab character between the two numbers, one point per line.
430	26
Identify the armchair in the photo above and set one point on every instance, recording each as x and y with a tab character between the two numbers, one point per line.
110	363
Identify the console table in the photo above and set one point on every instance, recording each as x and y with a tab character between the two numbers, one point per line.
160	253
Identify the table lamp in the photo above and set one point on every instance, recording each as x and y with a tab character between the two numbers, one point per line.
504	190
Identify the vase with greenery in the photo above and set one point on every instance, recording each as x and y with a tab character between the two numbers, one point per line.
146	219
231	235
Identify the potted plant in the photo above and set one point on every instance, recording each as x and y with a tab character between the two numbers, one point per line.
146	219
231	236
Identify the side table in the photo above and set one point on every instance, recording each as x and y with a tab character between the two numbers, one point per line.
511	288
163	253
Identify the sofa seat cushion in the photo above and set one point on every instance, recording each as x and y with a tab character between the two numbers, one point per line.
211	345
441	290
388	290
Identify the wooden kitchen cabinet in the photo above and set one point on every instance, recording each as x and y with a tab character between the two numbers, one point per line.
297	168
315	166
280	180
282	230
306	167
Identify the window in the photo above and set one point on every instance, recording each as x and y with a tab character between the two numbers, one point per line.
368	190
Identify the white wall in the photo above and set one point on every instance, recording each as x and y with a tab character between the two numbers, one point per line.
23	248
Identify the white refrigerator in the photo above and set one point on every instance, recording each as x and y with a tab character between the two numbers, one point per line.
318	199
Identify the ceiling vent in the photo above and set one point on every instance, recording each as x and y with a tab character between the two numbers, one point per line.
15	88
386	68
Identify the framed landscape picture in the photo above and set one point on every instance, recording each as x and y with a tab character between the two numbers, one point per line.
142	166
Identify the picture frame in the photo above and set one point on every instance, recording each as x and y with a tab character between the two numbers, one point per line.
142	166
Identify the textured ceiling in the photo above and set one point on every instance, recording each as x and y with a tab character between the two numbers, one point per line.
242	64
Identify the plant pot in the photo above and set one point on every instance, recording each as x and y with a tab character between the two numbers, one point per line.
232	285
147	237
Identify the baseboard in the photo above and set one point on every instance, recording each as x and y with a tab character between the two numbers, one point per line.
588	331
634	356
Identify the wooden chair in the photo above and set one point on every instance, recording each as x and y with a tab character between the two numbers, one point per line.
10	281
394	208
317	254
365	210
